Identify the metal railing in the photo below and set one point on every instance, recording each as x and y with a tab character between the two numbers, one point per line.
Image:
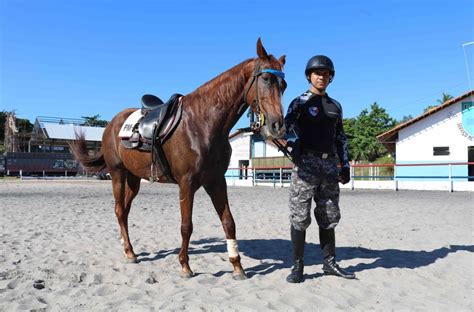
278	176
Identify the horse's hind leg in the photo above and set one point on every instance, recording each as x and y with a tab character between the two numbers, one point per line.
125	188
217	190
186	198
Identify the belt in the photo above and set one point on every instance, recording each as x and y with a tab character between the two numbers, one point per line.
319	154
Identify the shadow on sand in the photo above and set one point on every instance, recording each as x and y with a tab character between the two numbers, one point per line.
275	254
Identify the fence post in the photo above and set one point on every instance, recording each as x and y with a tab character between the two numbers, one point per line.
21	174
395	177
44	175
281	177
450	178
352	176
253	176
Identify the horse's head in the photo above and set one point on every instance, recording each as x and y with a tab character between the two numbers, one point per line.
264	92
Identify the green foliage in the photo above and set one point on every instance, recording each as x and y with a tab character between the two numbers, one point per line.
428	108
385	171
24	125
363	173
444	98
3	118
405	119
364	130
95	121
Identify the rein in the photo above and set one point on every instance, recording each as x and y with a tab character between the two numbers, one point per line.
256	125
284	150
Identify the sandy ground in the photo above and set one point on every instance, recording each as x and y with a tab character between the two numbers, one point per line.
411	250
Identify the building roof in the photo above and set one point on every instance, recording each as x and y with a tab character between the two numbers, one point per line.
388	138
66	129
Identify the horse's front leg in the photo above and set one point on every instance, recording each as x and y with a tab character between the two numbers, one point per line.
217	190
186	199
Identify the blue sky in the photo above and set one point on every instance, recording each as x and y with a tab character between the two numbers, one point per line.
81	58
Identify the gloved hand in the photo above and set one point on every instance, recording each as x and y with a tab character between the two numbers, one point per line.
345	175
295	151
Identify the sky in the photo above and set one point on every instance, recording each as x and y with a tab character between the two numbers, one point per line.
65	58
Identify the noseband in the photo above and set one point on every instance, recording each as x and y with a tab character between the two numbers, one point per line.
256	125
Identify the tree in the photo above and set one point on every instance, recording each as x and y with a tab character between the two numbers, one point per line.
349	129
369	124
24	125
428	108
3	117
445	97
405	119
95	121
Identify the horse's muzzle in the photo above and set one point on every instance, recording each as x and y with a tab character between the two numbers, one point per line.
274	129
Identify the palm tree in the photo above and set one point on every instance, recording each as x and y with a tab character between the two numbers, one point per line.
446	97
95	121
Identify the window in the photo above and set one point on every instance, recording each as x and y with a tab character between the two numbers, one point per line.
440	150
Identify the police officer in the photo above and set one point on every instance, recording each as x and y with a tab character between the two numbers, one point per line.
316	119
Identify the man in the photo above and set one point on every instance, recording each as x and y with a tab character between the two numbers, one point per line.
316	119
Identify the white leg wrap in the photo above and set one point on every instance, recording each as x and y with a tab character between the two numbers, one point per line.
232	248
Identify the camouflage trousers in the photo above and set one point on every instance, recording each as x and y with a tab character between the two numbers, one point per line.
316	178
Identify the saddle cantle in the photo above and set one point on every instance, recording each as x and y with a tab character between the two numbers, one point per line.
150	101
148	128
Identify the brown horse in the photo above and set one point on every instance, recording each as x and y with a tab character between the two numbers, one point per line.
198	152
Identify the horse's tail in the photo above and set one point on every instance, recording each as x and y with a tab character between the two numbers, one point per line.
79	149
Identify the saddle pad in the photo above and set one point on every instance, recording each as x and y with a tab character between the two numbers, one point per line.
127	127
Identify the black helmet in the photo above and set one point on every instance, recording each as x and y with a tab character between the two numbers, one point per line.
319	62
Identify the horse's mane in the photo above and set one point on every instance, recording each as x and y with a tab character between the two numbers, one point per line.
225	86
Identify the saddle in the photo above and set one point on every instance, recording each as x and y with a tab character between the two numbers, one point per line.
148	128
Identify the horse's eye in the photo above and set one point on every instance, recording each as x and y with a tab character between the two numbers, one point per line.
266	78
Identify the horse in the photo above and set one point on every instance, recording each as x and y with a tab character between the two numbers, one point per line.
198	151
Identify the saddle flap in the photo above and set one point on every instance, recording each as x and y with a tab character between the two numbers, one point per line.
129	125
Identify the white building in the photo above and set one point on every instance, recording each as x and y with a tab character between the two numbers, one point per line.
250	151
442	135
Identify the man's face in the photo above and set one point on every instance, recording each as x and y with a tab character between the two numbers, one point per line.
320	78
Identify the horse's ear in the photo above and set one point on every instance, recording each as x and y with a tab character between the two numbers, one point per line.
261	50
282	59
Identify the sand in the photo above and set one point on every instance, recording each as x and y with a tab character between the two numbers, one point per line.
411	250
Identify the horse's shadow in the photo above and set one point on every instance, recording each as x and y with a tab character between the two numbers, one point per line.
276	254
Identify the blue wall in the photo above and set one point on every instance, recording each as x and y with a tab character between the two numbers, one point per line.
438	173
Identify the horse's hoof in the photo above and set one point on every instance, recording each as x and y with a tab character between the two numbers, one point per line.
239	276
187	274
131	260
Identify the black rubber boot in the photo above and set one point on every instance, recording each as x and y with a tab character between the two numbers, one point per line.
328	246
298	241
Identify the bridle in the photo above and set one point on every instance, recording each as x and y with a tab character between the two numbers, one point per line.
256	125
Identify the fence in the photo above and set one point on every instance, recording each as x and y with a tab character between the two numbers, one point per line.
437	176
